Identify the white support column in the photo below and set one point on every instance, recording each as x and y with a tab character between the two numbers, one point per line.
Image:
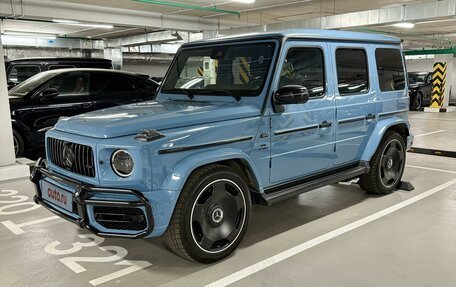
9	169
6	139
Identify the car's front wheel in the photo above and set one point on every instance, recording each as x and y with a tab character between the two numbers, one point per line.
417	102
211	215
19	145
386	166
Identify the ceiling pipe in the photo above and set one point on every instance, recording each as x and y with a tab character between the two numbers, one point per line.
430	52
190	7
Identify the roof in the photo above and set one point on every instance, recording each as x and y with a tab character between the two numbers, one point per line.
67	70
43	59
313	34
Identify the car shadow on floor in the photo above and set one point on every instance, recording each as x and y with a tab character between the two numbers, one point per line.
265	222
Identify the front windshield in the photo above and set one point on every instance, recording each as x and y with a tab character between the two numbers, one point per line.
417	78
24	88
234	69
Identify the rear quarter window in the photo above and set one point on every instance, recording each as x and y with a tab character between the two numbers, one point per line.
390	69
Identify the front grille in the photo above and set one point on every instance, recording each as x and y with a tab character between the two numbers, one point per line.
121	218
73	157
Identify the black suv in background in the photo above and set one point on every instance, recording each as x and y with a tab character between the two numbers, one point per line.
38	103
420	89
20	70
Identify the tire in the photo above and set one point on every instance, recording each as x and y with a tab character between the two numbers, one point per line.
417	101
19	145
211	215
386	165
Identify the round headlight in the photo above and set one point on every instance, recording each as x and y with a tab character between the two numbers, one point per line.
122	163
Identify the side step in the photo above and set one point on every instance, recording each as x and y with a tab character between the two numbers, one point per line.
313	183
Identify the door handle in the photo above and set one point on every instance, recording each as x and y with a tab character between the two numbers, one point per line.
325	124
370	116
87	105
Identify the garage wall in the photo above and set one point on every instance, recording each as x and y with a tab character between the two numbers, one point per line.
151	69
33	52
420	65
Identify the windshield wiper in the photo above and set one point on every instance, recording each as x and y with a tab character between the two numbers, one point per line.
221	92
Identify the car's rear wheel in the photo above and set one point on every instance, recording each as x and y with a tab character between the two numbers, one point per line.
19	146
211	215
386	165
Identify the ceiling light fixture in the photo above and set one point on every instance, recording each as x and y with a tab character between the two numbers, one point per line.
30	34
405	25
64	21
90	25
245	1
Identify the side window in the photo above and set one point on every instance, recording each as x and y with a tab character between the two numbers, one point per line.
111	83
390	69
22	72
55	67
304	67
352	71
71	85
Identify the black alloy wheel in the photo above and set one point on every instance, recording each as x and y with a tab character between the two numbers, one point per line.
19	146
391	163
417	102
211	215
386	165
218	216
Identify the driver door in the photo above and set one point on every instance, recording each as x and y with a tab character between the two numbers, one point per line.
73	98
302	135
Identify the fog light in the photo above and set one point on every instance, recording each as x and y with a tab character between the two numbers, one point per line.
122	163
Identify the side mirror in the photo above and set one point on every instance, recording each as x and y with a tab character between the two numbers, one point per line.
291	94
11	85
49	93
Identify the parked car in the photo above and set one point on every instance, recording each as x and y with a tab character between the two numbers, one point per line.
420	89
37	103
279	114
20	70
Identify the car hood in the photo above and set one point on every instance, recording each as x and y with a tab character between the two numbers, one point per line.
130	119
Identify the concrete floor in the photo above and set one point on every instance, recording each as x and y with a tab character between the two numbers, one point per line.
412	246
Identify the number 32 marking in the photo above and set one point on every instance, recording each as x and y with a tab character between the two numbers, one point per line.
120	252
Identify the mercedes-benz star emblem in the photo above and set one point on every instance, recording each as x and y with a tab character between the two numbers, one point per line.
217	215
68	157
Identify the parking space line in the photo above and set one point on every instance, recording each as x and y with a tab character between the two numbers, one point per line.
254	268
431	169
430	133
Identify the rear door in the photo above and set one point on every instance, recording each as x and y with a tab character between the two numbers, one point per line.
302	135
355	98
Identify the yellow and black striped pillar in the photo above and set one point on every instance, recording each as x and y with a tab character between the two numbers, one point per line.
244	70
438	84
200	71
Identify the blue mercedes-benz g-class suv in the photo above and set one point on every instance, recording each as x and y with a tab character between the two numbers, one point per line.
242	120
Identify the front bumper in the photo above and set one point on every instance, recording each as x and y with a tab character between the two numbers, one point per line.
82	202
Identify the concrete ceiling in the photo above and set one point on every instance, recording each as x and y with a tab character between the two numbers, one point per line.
260	12
435	33
71	31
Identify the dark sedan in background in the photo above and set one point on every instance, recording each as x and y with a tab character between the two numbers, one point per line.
19	70
38	103
420	89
